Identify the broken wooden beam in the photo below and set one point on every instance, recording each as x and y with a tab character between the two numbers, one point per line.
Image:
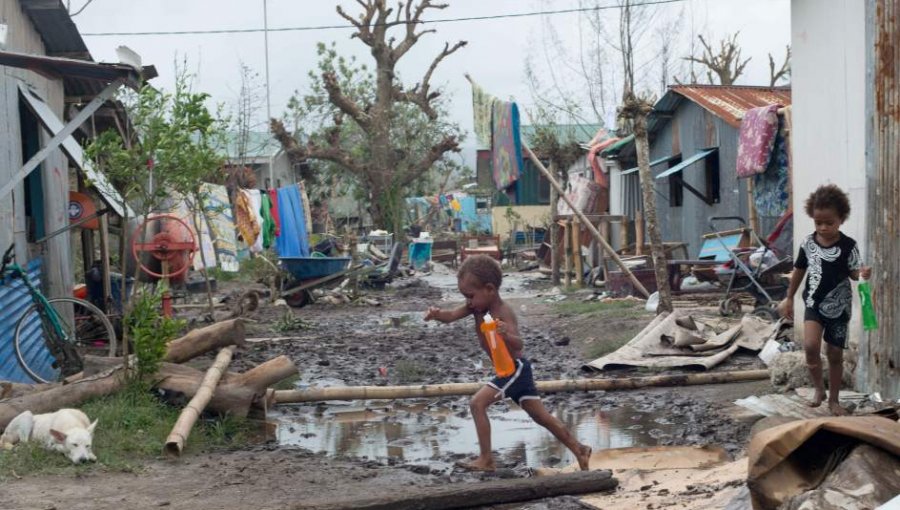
558	386
468	495
191	412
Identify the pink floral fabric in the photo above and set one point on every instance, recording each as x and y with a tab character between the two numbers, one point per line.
757	138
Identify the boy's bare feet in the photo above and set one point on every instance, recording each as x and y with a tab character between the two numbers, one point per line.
817	399
478	464
584	457
836	409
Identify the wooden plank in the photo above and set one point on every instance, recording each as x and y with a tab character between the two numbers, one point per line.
469	495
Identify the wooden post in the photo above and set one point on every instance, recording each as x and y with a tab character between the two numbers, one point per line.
636	110
576	252
751	206
638	233
623	233
554	232
104	259
612	253
567	252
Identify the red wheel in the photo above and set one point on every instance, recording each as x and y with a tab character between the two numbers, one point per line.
164	246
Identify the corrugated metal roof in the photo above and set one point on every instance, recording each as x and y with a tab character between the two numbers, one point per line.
14	300
56	28
728	103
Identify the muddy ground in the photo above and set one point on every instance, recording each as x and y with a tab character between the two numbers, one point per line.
390	344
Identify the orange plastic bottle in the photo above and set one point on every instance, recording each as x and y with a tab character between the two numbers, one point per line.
503	362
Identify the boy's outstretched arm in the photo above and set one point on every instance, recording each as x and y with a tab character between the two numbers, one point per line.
436	314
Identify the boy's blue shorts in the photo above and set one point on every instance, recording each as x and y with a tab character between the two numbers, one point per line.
519	386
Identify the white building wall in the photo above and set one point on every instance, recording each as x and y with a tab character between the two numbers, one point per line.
828	72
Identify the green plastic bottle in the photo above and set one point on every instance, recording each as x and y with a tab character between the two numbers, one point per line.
870	321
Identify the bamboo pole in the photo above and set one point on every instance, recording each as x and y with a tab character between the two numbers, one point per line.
596	233
191	412
558	386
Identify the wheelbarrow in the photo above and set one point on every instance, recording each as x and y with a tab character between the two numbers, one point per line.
309	273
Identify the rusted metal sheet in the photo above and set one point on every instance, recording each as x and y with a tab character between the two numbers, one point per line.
14	300
731	103
880	352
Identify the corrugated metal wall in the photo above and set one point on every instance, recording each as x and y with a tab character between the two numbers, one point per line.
697	129
14	300
880	351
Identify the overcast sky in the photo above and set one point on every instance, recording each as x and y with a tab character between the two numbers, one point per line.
495	55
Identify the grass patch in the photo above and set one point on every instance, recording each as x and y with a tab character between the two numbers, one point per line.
601	347
132	429
630	309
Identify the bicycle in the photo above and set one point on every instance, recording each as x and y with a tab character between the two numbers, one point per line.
70	328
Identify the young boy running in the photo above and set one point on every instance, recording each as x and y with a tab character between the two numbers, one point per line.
479	279
828	259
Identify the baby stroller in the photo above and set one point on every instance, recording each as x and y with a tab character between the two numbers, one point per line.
758	271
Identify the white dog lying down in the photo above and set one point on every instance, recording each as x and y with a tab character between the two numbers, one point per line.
68	431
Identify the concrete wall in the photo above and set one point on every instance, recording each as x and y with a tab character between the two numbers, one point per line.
23	38
828	78
692	128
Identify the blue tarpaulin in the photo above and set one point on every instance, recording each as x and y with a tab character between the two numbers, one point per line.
293	241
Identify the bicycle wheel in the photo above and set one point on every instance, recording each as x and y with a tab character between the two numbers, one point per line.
88	329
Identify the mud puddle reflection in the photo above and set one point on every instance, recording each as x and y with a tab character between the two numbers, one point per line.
437	436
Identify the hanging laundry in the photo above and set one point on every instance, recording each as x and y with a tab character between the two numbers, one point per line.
482	103
273	196
506	143
245	217
307	210
268	229
771	189
759	128
293	241
256	207
220	218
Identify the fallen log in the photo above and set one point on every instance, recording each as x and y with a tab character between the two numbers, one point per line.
188	416
9	389
69	395
456	389
236	392
203	340
468	495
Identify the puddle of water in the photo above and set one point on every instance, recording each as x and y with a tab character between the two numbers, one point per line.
428	436
515	285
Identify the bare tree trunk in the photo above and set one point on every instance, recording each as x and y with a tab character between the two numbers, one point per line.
636	110
205	272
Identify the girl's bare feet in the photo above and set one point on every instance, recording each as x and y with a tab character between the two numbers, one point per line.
584	457
479	464
836	409
817	399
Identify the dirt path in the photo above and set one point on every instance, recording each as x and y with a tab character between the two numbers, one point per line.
391	345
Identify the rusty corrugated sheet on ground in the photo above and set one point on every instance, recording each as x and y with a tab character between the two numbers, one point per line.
14	300
882	370
730	103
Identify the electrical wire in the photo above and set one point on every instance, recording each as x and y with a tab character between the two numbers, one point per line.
344	27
